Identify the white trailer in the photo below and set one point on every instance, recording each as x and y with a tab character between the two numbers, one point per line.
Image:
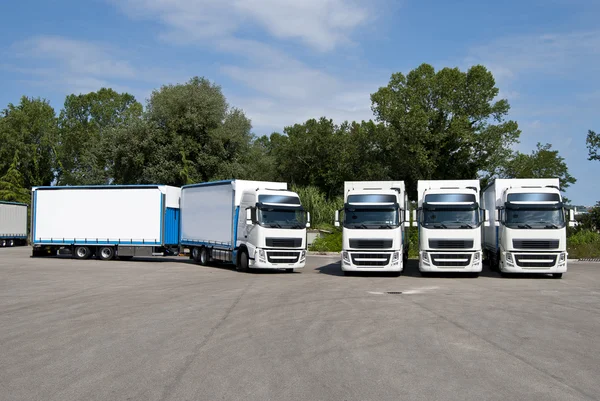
251	224
528	232
13	224
109	221
449	220
374	216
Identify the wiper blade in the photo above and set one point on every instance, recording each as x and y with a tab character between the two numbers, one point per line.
440	226
524	226
360	226
467	225
385	226
274	225
297	226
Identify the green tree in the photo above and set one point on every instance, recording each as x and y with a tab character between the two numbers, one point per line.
444	125
541	163
593	145
188	134
29	131
87	123
12	184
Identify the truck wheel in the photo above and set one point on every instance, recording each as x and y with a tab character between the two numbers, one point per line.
11	242
289	270
106	253
243	265
557	275
196	254
203	256
3	243
82	252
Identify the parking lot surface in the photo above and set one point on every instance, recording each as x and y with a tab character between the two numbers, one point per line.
167	329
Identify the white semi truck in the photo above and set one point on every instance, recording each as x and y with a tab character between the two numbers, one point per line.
106	220
374	216
13	224
251	224
528	234
449	220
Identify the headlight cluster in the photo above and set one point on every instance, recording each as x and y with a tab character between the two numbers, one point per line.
345	257
509	259
562	258
396	258
302	256
425	258
477	257
262	256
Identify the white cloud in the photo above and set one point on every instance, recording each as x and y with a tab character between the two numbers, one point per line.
320	24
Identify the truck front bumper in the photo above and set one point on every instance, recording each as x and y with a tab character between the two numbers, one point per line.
543	263
369	261
450	262
278	259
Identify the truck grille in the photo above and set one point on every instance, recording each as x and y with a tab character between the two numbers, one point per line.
370	259
283	242
536	260
282	257
535	244
451	259
370	243
450	244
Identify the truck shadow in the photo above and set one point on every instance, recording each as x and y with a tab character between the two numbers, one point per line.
412	270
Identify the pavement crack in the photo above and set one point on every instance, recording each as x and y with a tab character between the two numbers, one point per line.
196	351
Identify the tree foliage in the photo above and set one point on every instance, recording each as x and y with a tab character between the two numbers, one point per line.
12	184
86	141
544	162
29	131
445	124
593	145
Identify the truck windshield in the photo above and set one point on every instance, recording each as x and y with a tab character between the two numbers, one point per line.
281	218
451	218
534	218
371	218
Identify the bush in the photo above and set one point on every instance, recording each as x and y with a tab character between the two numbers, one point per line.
413	242
584	244
329	243
322	210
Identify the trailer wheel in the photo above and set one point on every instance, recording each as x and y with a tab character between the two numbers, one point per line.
11	242
243	265
196	254
203	258
106	253
82	252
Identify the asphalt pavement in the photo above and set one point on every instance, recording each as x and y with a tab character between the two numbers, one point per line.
167	329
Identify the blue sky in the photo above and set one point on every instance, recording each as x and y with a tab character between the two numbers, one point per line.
283	61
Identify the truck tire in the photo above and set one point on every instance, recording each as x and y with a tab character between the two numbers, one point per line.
3	243
203	257
195	254
243	264
11	242
557	275
289	270
82	252
106	253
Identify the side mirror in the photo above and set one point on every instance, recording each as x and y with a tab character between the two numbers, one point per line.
337	218
307	219
414	219
572	222
486	215
496	216
249	220
407	218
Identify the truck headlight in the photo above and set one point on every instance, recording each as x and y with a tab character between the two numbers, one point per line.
302	256
562	258
346	257
261	255
425	258
509	258
477	257
395	258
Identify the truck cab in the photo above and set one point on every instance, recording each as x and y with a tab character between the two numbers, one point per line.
449	221
272	229
373	221
530	221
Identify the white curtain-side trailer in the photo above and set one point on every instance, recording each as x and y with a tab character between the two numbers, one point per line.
13	224
106	220
250	224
